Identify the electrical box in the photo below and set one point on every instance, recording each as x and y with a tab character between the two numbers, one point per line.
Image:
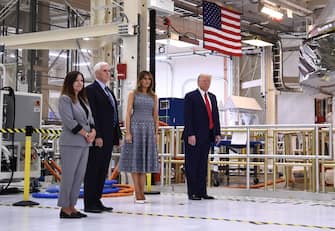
28	112
121	71
163	7
171	111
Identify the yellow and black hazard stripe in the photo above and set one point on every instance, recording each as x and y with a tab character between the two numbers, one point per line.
36	130
262	200
201	218
48	131
48	134
12	130
51	137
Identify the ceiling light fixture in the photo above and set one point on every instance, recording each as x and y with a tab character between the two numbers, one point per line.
272	12
257	42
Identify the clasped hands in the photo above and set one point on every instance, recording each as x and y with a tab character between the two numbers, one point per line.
90	136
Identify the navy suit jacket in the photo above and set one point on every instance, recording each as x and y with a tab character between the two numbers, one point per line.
103	114
196	120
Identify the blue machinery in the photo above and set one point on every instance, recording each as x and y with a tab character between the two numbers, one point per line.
171	111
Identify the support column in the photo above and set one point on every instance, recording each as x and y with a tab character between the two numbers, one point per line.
270	105
32	53
98	12
17	31
42	64
270	91
134	49
152	45
142	36
129	51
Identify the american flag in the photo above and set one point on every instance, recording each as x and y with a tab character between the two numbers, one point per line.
222	29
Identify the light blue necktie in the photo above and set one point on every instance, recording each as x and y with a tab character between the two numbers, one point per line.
111	99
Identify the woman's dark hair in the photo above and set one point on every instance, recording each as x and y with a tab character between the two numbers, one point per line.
139	86
68	90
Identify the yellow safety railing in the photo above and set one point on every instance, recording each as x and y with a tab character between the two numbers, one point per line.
278	153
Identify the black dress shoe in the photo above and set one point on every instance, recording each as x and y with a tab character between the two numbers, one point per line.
71	216
93	210
194	197
81	214
106	209
207	197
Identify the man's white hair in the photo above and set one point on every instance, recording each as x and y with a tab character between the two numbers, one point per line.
98	66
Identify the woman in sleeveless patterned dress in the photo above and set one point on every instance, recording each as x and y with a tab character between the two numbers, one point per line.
139	151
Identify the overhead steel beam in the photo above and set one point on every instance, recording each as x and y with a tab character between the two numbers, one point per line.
63	38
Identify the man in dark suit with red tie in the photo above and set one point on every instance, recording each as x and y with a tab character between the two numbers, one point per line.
201	128
104	109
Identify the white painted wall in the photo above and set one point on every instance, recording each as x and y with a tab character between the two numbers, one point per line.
179	75
295	108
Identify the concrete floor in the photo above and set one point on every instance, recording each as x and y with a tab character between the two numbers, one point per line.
232	210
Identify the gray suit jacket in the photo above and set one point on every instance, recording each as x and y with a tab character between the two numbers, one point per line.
74	118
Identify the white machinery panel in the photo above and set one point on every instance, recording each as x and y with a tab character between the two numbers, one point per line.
28	112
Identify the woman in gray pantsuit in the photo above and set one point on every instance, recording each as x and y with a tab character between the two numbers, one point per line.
77	135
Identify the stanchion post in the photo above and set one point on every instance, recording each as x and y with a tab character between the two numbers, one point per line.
149	186
148	182
27	158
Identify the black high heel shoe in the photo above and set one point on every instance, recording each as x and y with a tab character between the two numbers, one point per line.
71	216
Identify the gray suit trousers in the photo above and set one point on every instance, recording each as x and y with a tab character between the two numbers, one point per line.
73	163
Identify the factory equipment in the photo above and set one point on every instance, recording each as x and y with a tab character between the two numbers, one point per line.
28	112
242	110
171	111
317	66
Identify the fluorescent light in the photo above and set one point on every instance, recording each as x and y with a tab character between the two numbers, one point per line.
272	12
86	38
257	42
85	50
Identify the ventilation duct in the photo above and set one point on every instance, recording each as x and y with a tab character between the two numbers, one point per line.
317	54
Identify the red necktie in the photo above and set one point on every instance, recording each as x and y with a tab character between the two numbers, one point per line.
209	112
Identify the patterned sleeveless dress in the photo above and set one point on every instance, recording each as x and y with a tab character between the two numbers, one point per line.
141	155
